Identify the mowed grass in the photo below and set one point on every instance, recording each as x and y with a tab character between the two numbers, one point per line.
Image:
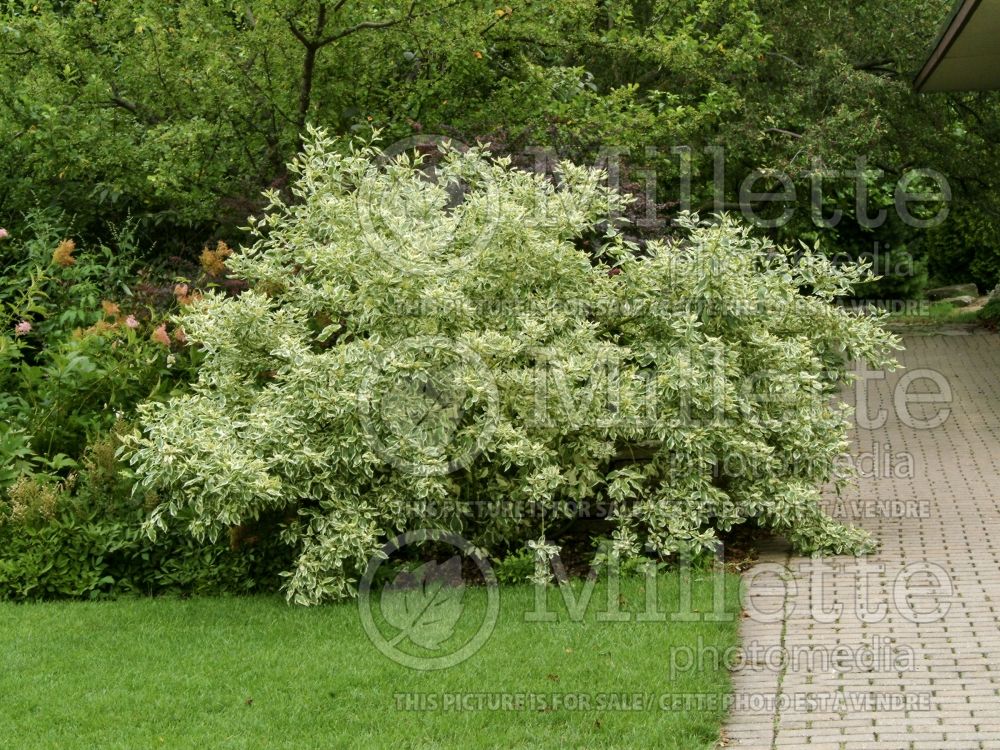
935	313
258	673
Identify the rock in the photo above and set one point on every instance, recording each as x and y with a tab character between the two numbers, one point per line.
955	290
962	301
995	294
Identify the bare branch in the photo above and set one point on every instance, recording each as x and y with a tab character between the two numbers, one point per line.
117	100
368	25
125	104
786	58
875	65
782	131
297	33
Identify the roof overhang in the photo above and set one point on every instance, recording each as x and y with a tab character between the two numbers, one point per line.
966	56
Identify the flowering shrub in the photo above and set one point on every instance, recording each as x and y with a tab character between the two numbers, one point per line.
70	357
72	362
438	353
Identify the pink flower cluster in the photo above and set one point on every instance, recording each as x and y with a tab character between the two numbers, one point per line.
160	335
22	329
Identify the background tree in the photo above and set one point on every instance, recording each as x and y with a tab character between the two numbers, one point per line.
178	114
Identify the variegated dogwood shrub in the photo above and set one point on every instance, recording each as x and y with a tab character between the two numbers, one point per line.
436	349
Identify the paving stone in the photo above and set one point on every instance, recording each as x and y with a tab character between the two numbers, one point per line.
931	592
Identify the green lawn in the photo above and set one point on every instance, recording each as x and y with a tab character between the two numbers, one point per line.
936	313
257	673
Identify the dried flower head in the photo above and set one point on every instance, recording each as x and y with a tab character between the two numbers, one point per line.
101	326
63	254
110	308
32	500
214	261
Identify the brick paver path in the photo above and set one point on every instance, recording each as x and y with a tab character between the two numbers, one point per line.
905	651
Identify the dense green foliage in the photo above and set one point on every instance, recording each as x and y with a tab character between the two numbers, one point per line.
967	248
137	136
990	314
71	360
73	366
528	363
82	538
177	114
